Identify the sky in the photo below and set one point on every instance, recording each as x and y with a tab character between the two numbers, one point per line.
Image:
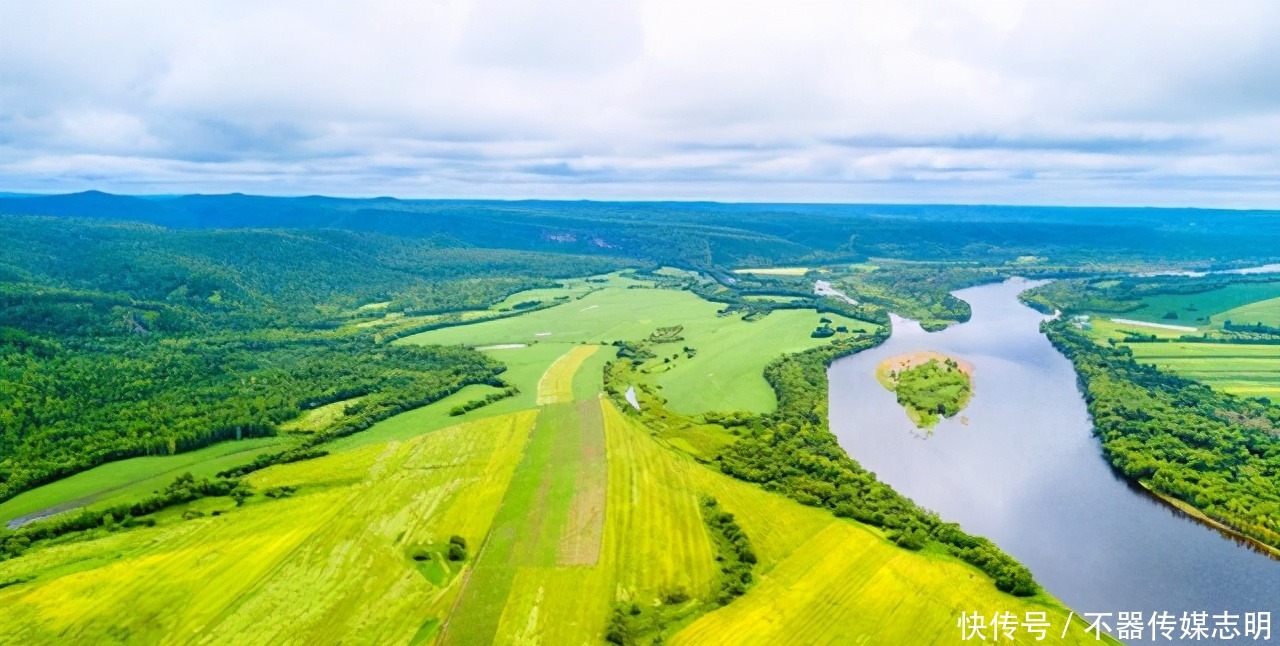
1161	103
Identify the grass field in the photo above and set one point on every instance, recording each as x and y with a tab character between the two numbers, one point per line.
826	580
566	511
1266	312
128	480
726	371
1202	309
136	477
318	418
1245	370
569	289
556	384
331	563
1240	369
424	419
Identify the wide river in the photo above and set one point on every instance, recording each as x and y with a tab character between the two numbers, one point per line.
1026	472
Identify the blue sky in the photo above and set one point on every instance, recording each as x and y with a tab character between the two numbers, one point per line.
1047	102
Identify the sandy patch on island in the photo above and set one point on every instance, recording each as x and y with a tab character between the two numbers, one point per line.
912	359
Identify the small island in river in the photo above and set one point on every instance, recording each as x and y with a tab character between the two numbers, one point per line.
929	385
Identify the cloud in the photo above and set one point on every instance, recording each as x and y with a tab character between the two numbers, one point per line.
1173	102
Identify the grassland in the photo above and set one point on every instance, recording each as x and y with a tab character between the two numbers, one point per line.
333	562
556	384
319	417
724	371
567	510
1245	370
1266	312
1240	369
136	477
1205	308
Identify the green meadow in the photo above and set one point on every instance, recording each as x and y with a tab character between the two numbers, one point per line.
1266	312
724	371
1247	370
1203	308
134	478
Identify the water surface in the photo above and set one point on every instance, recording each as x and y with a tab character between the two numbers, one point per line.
1027	472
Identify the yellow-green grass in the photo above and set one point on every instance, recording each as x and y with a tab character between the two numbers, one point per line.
425	419
1201	309
1105	328
653	540
726	372
820	579
333	563
551	517
398	319
1266	312
774	271
570	288
1247	370
1240	369
318	418
525	369
588	382
135	477
556	384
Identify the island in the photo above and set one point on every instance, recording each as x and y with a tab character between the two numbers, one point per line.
929	385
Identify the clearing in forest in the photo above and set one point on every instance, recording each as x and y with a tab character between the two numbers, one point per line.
722	368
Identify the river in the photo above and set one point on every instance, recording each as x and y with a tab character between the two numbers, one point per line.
1026	472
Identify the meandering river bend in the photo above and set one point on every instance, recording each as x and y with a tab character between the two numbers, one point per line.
1026	472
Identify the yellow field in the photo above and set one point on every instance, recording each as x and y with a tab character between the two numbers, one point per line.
653	540
556	384
566	510
329	564
823	580
318	418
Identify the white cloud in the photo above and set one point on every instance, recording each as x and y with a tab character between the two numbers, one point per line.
1172	102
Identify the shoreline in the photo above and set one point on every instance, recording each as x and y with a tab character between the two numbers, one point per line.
1228	531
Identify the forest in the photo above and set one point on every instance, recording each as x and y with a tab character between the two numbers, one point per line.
124	339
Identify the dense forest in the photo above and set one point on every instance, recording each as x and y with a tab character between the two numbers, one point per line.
1218	453
710	234
67	406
